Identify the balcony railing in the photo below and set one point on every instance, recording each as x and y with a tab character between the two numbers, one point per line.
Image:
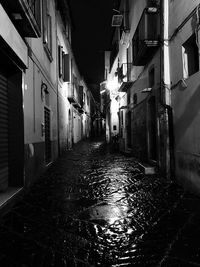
25	15
146	37
74	97
124	77
124	72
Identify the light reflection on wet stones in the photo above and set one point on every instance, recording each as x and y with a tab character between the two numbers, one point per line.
92	208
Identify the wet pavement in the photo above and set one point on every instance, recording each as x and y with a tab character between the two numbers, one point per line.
94	207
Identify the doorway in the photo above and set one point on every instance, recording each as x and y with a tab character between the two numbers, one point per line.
152	129
11	125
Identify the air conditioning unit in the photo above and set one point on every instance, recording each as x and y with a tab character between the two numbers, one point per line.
117	20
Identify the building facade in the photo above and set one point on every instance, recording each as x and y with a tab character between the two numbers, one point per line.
184	76
138	108
155	59
43	110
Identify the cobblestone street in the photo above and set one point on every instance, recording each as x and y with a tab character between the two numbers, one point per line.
94	207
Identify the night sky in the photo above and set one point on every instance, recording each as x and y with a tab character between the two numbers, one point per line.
91	35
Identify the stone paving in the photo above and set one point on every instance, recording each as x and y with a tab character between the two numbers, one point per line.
94	207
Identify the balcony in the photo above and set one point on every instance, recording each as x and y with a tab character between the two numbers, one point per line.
124	77
73	97
25	15
146	37
124	72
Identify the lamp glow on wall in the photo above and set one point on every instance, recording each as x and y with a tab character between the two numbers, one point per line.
112	85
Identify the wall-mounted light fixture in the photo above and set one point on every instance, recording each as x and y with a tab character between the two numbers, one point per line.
146	90
44	90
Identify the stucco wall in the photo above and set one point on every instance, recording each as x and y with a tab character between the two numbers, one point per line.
185	99
179	10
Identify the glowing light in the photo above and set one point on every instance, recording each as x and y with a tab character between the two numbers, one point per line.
113	84
103	91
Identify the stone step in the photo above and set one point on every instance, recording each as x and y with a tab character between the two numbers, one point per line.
147	169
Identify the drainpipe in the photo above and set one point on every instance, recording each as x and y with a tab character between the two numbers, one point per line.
57	90
165	88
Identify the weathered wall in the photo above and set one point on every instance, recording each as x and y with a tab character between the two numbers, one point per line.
179	10
34	103
185	99
139	130
65	135
41	70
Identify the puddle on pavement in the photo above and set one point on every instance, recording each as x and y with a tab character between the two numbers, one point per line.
96	211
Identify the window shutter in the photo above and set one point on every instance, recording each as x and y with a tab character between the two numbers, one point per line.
81	94
49	34
45	26
38	13
60	61
66	60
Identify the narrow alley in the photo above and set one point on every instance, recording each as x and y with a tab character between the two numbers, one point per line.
94	207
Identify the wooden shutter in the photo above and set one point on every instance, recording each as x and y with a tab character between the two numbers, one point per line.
44	21
66	59
81	95
60	61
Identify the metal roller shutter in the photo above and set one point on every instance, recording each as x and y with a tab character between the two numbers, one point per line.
3	133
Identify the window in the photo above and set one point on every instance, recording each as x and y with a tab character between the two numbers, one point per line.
151	77
106	74
35	8
75	83
190	56
68	30
114	127
60	61
47	30
66	67
63	64
122	117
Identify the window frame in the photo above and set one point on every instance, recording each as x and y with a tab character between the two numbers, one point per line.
47	29
190	56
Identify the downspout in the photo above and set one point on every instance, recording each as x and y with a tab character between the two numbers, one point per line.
166	89
57	90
